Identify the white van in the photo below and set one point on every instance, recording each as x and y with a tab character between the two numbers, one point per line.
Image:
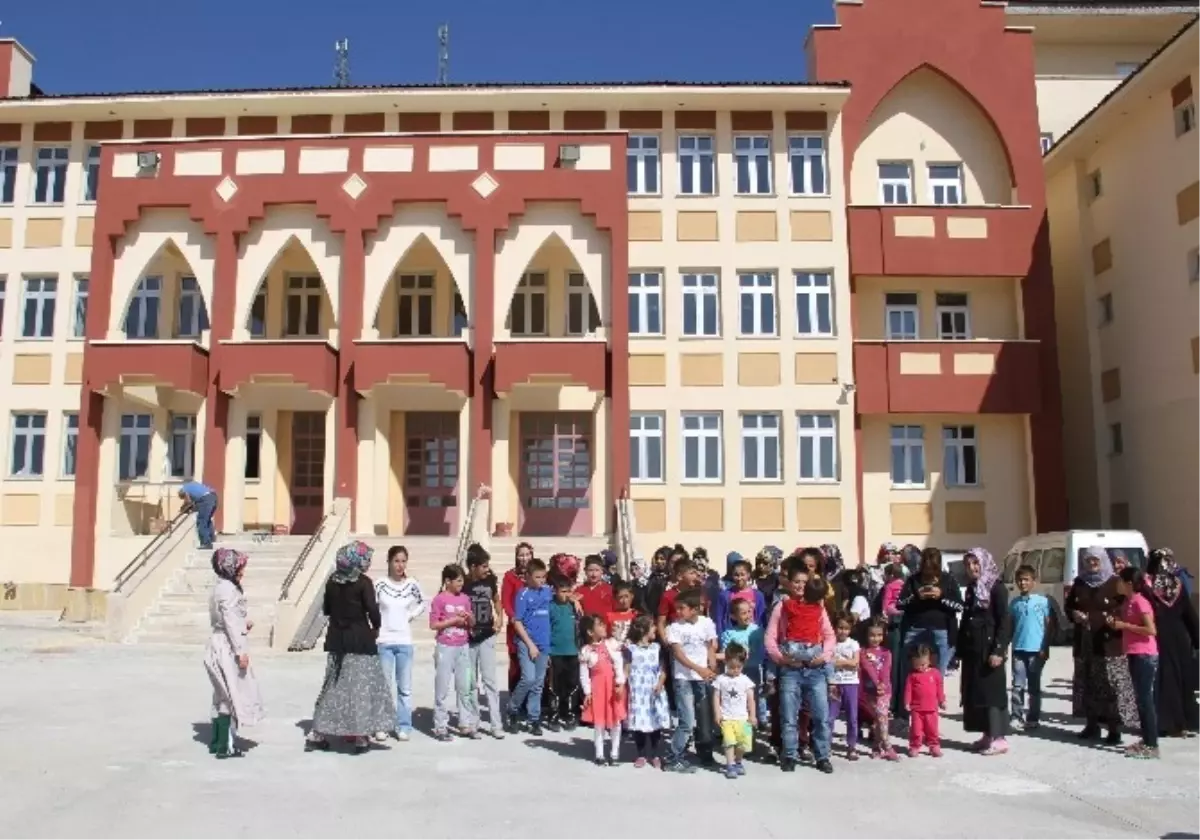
1056	557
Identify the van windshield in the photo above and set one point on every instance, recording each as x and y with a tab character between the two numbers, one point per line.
1136	556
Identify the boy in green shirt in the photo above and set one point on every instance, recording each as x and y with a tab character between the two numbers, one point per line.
564	658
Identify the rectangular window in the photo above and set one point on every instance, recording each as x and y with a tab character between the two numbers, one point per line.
814	303
50	175
960	456
183	445
1046	140
697	165
529	305
8	174
583	318
1193	267
817	444
701	305
3	298
645	303
760	447
1116	439
254	435
1185	117
79	317
91	173
642	164
258	313
908	456
303	307
459	322
1095	185
134	451
28	452
141	321
752	157
37	316
70	443
193	315
903	316
701	448
646	447
946	183
1106	309
953	317
806	159
895	183
757	300
414	317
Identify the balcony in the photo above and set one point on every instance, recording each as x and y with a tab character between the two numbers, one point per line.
309	362
541	361
948	377
180	364
961	241
413	360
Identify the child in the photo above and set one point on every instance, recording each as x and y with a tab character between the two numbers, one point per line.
843	685
531	625
619	619
1031	614
749	635
648	711
594	595
875	690
486	619
687	578
924	695
693	641
564	658
734	710
1139	642
602	675
450	616
739	590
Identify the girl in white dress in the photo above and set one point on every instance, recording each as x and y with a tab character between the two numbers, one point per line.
649	714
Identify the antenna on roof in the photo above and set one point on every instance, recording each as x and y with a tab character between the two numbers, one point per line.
443	71
341	62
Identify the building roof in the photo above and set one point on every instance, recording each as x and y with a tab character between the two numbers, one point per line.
1075	7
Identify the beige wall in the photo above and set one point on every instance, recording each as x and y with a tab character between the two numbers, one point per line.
992	305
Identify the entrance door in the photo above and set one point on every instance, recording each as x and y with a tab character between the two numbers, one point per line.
431	473
308	471
556	474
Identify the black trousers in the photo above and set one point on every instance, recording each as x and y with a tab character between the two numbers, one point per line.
562	680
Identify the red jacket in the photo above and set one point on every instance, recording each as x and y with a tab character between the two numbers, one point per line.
511	585
597	600
924	691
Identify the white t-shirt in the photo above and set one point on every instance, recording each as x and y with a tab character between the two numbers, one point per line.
733	692
845	650
399	603
693	639
860	608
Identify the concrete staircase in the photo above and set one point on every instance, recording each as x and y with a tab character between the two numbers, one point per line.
504	549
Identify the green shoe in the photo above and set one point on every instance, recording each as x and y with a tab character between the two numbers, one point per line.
214	739
221	744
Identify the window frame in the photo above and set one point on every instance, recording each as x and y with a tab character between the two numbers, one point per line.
259	295
813	293
3	300
639	303
416	293
889	308
639	445
525	292
940	182
758	293
637	154
895	182
70	445
761	435
812	436
198	316
134	432
55	168
955	437
31	432
909	444
45	306
149	287
1193	265
1046	141
694	159
310	295
80	291
579	294
187	437
701	434
254	431
750	158
953	309
91	173
10	159
801	157
695	289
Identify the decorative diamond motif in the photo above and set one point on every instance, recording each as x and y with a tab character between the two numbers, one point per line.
485	185
227	188
354	186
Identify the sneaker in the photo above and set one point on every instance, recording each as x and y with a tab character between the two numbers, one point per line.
1031	726
380	736
599	762
731	771
936	752
787	765
442	735
535	728
612	761
656	763
1143	753
889	755
510	723
852	756
679	767
569	724
401	735
639	762
913	752
825	766
472	733
496	732
741	768
806	756
552	725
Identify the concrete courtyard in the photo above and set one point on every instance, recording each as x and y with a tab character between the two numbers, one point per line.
109	741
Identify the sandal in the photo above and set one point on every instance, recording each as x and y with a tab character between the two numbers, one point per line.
1144	753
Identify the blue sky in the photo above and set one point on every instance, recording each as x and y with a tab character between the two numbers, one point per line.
183	44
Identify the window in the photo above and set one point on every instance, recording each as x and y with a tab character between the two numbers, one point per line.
806	157
645	303
193	315
908	456
946	183
28	445
1193	263
814	303
583	318
702	448
1106	309
1116	439
8	174
760	447
697	165
641	164
752	157
646	447
1126	68
50	175
91	173
134	451
303	312
37	317
960	456
141	321
79	317
3	297
953	317
757	299
459	322
258	313
414	317
903	317
701	305
254	435
529	305
817	443
1095	185
70	443
183	445
1185	117
895	183
1046	139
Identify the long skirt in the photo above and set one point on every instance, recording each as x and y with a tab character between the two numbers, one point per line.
235	692
354	698
1102	691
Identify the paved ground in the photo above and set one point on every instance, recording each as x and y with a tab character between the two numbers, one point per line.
109	741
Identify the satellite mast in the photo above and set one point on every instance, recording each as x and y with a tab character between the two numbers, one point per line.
443	71
341	63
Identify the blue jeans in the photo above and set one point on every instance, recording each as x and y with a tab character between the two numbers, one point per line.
205	507
529	688
1026	674
1143	670
693	705
808	688
396	661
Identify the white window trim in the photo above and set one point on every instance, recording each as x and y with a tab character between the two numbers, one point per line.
308	297
691	158
965	311
5	163
909	445
58	168
813	293
261	292
29	435
416	294
701	435
751	154
254	428
961	444
699	291
90	151
524	295
906	182
815	435
40	298
759	293
67	435
577	288
81	288
642	155
957	183
639	301
760	436
190	436
888	308
806	169
192	330
639	439
134	433
141	292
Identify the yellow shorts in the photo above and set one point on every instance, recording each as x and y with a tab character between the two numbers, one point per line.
737	733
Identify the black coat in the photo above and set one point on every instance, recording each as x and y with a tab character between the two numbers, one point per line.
353	617
1177	678
985	631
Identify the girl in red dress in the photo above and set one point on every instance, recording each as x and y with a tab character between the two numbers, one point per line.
602	677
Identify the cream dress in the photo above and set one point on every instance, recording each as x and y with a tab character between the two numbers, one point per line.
235	692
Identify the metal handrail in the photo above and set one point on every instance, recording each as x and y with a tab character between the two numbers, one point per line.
143	557
468	526
303	557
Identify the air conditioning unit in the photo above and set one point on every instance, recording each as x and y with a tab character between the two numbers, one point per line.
147	163
568	155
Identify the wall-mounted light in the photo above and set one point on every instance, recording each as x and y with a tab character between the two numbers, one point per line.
147	163
568	155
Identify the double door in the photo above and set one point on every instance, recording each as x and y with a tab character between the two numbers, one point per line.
431	471
556	474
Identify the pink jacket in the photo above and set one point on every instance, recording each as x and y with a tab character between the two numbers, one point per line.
774	636
891	594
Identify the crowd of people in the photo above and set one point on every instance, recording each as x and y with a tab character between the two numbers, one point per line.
764	659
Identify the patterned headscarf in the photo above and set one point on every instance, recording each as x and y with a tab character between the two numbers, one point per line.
700	558
609	557
772	555
1118	556
639	570
989	573
1166	584
886	550
353	559
566	565
1101	575
910	555
834	563
226	563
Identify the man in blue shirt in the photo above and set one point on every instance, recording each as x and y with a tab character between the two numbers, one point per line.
1031	616
202	499
531	623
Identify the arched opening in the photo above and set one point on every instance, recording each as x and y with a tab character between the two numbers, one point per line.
291	300
422	297
553	298
167	301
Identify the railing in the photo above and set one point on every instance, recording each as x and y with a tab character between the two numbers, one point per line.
626	531
143	557
467	531
302	558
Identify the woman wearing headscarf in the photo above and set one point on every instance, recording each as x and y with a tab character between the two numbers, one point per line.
659	579
354	700
1101	691
639	575
982	648
766	571
910	557
236	701
1175	620
834	564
